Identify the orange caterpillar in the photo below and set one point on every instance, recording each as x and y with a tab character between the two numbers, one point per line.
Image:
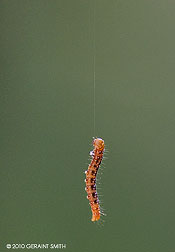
91	173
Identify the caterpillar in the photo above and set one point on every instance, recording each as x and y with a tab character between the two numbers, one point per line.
91	173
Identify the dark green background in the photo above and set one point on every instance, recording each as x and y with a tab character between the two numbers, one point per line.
46	106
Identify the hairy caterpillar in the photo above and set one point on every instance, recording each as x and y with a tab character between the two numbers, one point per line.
91	173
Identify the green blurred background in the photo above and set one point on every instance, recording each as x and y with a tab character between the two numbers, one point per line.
46	106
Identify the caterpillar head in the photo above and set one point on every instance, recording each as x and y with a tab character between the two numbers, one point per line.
98	143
